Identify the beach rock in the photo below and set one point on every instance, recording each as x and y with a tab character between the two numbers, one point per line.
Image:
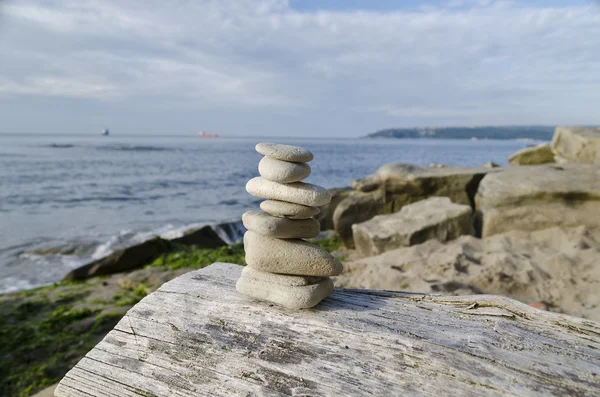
537	197
540	154
272	226
433	218
294	292
396	185
121	260
285	152
355	208
556	266
405	183
325	216
288	210
293	256
204	237
577	144
491	164
296	192
282	171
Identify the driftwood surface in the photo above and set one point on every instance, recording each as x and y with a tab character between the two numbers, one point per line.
196	336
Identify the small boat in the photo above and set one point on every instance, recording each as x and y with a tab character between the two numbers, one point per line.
206	135
105	132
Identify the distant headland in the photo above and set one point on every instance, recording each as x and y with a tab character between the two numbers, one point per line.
543	133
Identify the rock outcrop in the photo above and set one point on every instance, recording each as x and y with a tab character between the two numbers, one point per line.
121	260
540	154
282	267
396	185
325	215
577	144
433	218
140	254
537	197
558	267
355	208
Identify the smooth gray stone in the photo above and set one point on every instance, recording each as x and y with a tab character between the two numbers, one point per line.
291	256
281	279
296	192
288	210
277	289
272	226
285	152
282	171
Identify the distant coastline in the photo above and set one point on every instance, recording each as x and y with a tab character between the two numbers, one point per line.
542	133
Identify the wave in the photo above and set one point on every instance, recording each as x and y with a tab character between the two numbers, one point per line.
60	145
135	148
229	202
230	232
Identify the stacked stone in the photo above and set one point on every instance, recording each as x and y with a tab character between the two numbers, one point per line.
282	267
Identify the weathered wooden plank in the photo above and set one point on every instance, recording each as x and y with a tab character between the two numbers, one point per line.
195	336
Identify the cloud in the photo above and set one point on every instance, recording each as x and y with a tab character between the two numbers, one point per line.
461	61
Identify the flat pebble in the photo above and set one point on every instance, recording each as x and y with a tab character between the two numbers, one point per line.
281	279
272	226
284	209
282	171
292	256
265	286
296	192
285	152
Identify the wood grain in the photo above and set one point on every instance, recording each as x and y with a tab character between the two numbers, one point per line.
195	336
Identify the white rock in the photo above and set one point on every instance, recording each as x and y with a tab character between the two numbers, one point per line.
267	225
288	210
282	171
289	291
285	152
296	192
293	256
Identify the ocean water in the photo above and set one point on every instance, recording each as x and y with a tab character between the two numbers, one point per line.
65	200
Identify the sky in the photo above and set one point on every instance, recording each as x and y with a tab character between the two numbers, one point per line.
329	68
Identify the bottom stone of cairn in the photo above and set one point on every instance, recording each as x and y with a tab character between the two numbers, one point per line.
293	292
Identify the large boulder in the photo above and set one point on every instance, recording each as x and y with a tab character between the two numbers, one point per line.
537	197
325	216
540	154
577	144
121	260
396	185
433	218
557	267
356	207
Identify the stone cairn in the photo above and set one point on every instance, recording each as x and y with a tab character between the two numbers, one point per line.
282	267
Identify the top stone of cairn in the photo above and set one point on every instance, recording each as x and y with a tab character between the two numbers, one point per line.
285	152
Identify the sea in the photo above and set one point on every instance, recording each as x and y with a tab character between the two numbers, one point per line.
67	200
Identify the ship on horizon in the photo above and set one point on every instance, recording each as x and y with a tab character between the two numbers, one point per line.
204	134
105	132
